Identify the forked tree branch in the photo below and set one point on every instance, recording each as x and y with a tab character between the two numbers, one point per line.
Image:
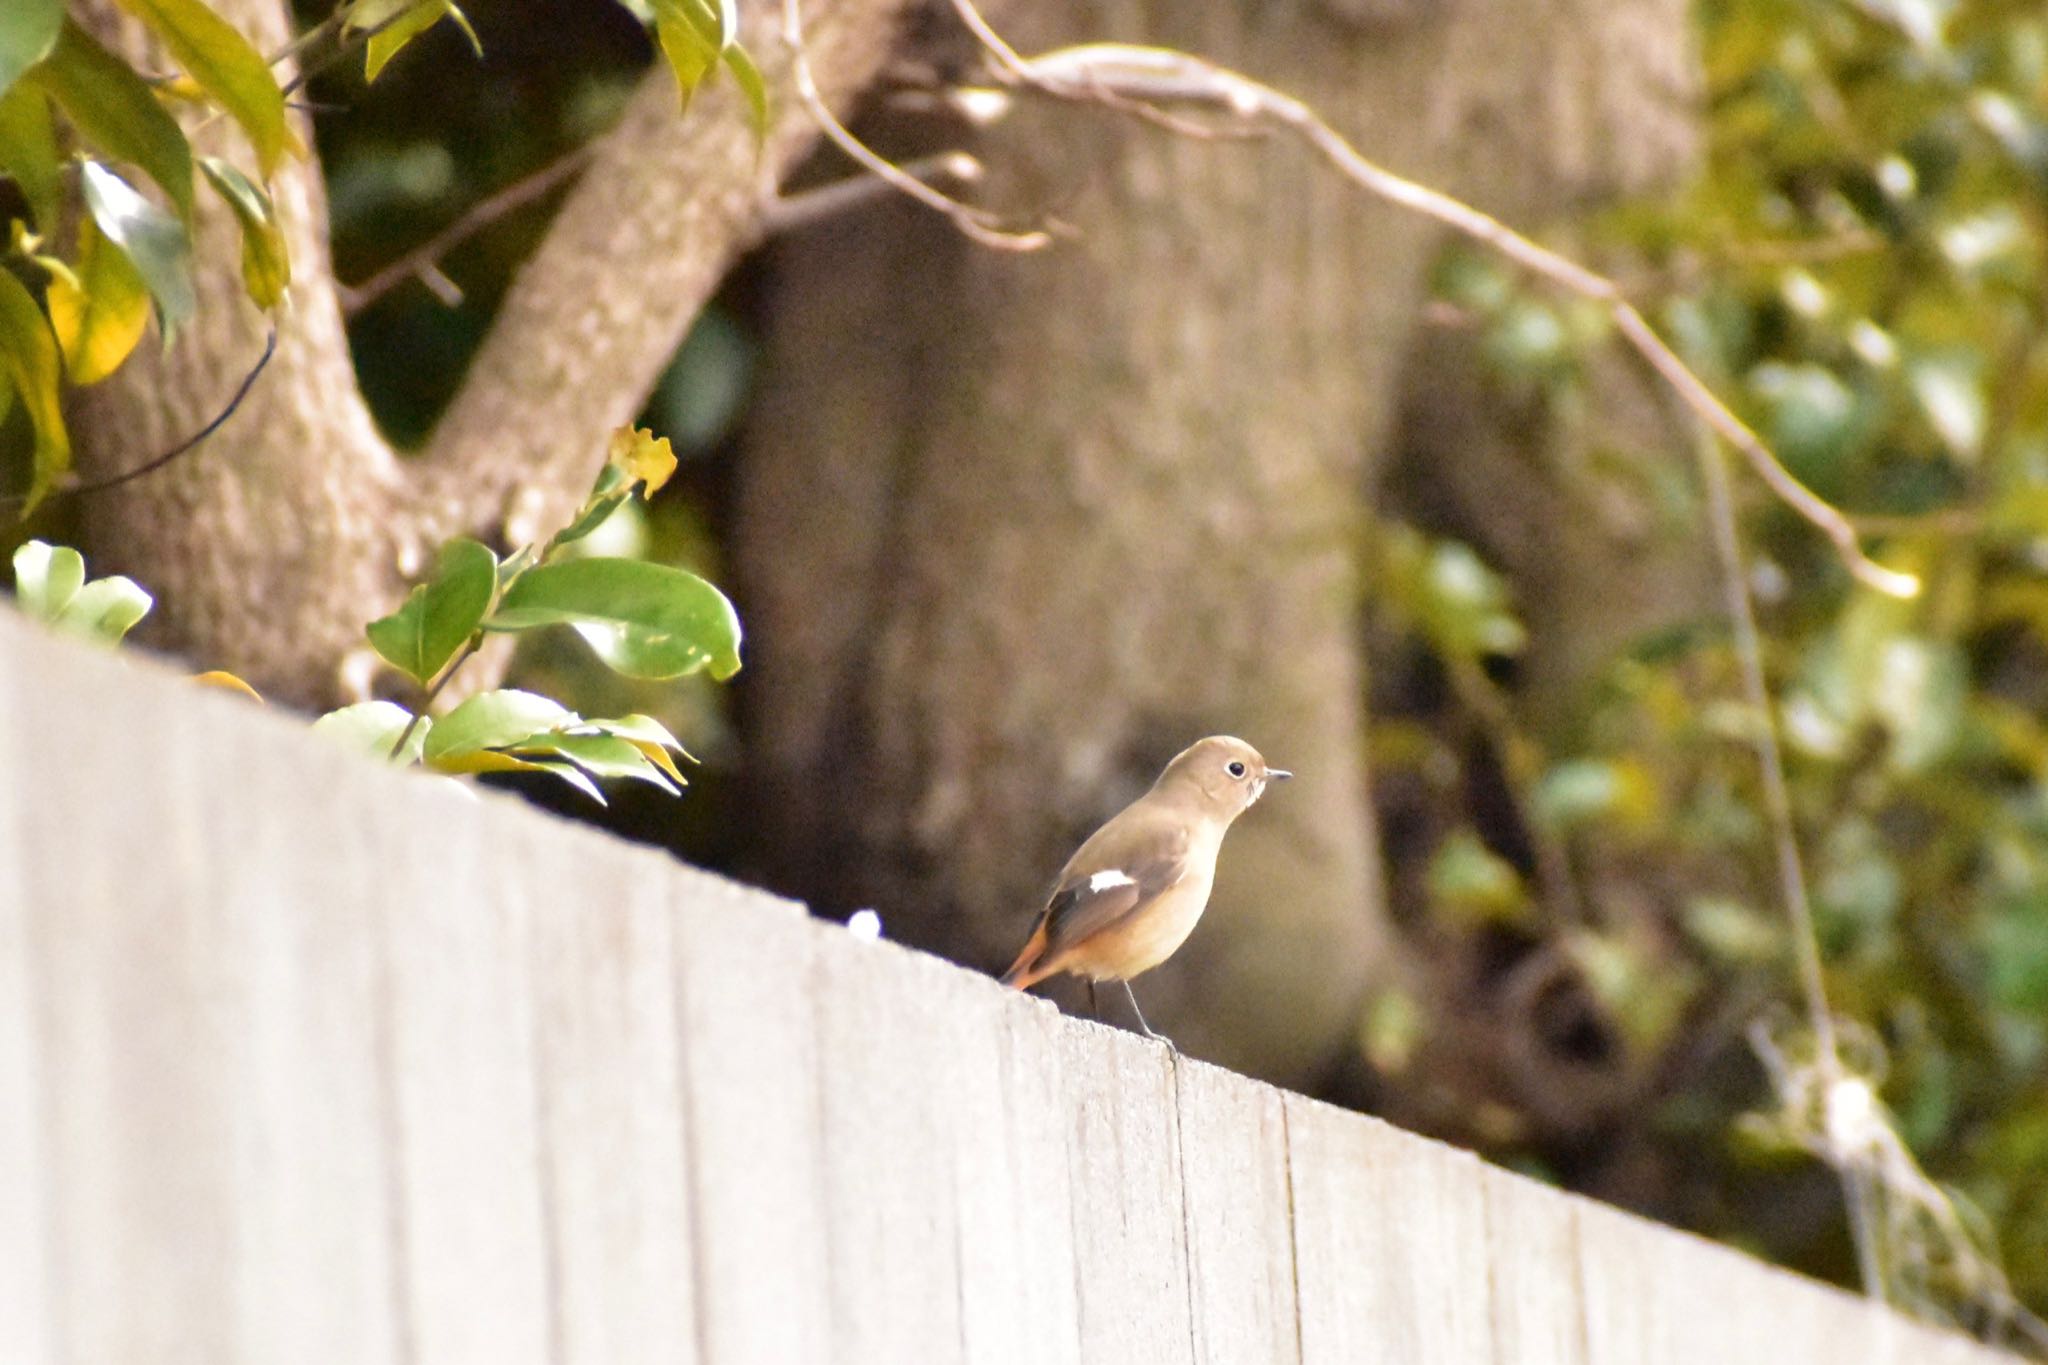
638	247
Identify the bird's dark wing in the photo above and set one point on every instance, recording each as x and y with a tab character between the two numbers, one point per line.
1085	904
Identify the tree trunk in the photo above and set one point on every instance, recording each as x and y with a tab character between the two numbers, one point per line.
1014	529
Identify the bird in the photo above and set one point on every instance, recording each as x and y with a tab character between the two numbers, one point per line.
1131	894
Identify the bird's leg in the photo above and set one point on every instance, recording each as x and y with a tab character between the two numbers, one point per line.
1094	1005
1132	996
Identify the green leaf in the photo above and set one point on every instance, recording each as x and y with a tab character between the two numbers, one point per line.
215	54
266	262
1469	880
28	152
387	42
46	578
496	720
105	609
595	513
30	360
440	615
645	620
372	727
651	738
600	756
100	312
155	242
118	113
28	30
689	53
755	90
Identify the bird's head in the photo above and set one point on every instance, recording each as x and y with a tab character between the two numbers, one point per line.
1220	775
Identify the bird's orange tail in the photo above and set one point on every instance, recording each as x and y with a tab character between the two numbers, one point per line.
1027	970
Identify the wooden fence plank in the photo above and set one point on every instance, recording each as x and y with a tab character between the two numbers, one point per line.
1123	1152
613	1147
1652	1293
1390	1243
458	1038
213	1178
315	1269
1532	1238
750	1096
1018	1304
27	1287
1239	1216
890	1060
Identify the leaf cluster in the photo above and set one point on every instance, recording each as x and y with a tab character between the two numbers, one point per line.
644	620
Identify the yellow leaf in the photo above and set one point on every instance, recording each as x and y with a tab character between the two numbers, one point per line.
227	682
30	360
99	311
658	755
266	262
218	57
481	761
643	456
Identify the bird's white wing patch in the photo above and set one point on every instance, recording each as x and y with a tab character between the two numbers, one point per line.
1105	881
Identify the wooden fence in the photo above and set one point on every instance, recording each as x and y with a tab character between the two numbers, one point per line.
306	1061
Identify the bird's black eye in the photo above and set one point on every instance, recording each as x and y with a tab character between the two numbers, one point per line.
1236	769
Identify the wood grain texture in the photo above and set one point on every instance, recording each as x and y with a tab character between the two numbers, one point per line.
303	1061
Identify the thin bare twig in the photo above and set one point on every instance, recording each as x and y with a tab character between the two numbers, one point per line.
792	212
157	462
978	224
469	647
427	255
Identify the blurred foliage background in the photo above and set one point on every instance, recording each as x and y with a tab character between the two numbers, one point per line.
1860	269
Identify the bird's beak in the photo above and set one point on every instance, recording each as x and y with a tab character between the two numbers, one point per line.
1278	774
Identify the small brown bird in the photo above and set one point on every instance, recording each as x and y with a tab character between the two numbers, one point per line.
1131	895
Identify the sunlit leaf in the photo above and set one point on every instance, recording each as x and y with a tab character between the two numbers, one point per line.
440	615
266	262
1949	388
496	720
215	54
1467	879
28	151
1919	692
117	113
154	241
33	365
28	30
1586	791
105	609
651	738
599	755
645	620
373	727
100	311
46	578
